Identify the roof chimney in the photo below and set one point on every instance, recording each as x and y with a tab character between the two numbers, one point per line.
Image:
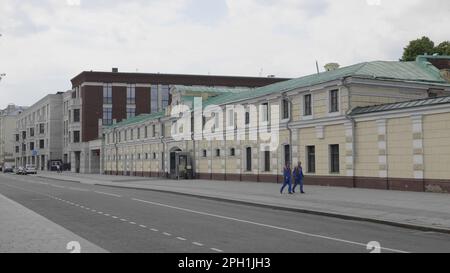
115	70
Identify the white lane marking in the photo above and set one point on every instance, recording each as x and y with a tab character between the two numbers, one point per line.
115	217
124	220
181	238
78	189
142	226
133	223
216	250
266	225
197	244
154	229
167	234
109	194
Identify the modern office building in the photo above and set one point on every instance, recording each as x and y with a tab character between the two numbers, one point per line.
38	135
8	117
100	98
383	125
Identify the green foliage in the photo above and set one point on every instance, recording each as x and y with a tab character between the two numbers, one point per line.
418	47
424	46
443	48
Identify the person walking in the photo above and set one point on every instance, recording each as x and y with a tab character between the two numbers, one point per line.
298	177
287	175
58	168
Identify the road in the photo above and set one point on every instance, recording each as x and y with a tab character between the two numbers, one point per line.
140	221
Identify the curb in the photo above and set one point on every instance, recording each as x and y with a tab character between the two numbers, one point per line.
305	211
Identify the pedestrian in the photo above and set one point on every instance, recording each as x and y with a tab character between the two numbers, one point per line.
287	177
298	177
58	168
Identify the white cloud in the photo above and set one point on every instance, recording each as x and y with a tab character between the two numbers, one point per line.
46	43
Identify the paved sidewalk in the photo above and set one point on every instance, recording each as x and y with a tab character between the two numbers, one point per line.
425	211
23	231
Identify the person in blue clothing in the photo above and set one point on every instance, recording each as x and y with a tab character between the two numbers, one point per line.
298	177
287	178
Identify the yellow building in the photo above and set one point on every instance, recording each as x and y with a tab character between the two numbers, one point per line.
383	125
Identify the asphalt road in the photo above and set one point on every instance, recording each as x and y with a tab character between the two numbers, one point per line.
127	220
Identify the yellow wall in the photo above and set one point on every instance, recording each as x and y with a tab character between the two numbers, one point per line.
437	146
399	148
366	147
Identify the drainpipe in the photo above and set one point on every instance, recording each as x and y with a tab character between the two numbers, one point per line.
116	148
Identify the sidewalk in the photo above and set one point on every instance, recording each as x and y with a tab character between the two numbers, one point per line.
23	231
417	210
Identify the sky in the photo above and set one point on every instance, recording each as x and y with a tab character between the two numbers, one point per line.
45	43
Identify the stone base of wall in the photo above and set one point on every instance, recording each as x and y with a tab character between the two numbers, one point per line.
398	184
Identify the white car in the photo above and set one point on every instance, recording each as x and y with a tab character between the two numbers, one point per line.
30	169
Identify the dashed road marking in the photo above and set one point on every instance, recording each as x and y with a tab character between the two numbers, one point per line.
142	226
265	225
181	239
133	223
154	229
197	244
216	250
167	234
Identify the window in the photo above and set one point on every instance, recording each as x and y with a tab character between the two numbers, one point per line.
24	135
42	128
287	154
265	112
153	130
131	94
76	136
41	144
107	116
334	101
311	158
31	132
249	159
132	134
154	155
31	146
17	137
247	118
146	132
139	133
163	130
107	93
205	153
232	152
17	149
267	161
76	115
217	152
24	147
165	96
334	158
230	118
307	100
154	99
285	109
131	112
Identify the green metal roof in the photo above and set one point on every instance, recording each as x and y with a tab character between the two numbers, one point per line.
419	71
138	119
205	89
400	105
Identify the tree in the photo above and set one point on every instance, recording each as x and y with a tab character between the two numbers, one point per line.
443	48
418	47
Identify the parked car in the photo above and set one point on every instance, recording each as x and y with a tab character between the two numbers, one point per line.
7	168
30	169
20	170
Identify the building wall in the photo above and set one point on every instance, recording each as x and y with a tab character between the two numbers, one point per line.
436	146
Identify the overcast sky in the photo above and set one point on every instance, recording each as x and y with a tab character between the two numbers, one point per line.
45	43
